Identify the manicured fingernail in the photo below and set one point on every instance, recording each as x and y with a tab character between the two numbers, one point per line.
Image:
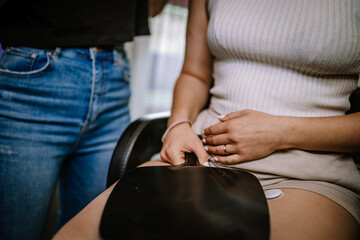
221	116
206	148
203	133
206	164
204	141
212	158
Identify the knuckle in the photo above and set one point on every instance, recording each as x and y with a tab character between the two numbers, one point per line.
209	140
232	125
226	161
233	137
211	149
222	160
228	126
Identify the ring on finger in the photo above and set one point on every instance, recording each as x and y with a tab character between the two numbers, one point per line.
224	148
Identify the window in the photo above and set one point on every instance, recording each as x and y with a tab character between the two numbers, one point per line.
156	61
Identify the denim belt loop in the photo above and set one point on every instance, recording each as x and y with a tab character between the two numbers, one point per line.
95	50
116	56
92	52
57	52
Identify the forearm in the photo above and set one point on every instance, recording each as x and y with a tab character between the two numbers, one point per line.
335	134
192	87
190	96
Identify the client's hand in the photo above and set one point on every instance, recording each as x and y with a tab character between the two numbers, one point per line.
179	140
243	136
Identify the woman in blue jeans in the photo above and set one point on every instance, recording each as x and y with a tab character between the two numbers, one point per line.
64	94
61	115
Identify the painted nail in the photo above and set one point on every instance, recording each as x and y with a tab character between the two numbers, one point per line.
212	158
221	116
206	164
206	148
204	141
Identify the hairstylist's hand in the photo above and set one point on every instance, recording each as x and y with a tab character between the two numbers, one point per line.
247	135
179	140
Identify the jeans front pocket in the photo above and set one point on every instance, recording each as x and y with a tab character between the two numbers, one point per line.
24	62
122	60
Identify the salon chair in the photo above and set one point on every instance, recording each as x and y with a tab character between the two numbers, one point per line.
142	139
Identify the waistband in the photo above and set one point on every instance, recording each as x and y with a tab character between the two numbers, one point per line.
91	52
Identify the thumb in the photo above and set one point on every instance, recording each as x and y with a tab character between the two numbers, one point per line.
178	159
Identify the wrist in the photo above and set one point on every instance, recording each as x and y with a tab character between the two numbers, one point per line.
287	133
173	125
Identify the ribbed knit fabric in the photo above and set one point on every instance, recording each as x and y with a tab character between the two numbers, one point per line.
291	58
294	58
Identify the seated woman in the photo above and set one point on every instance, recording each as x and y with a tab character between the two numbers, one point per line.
279	74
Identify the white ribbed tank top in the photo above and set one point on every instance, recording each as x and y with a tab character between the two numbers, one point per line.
291	58
284	57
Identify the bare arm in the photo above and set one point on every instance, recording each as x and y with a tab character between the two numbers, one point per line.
336	134
192	88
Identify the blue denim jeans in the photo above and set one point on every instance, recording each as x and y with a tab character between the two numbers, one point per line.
61	114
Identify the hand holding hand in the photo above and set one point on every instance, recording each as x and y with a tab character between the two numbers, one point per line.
243	136
179	140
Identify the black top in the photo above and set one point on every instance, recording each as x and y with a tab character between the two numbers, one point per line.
72	23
